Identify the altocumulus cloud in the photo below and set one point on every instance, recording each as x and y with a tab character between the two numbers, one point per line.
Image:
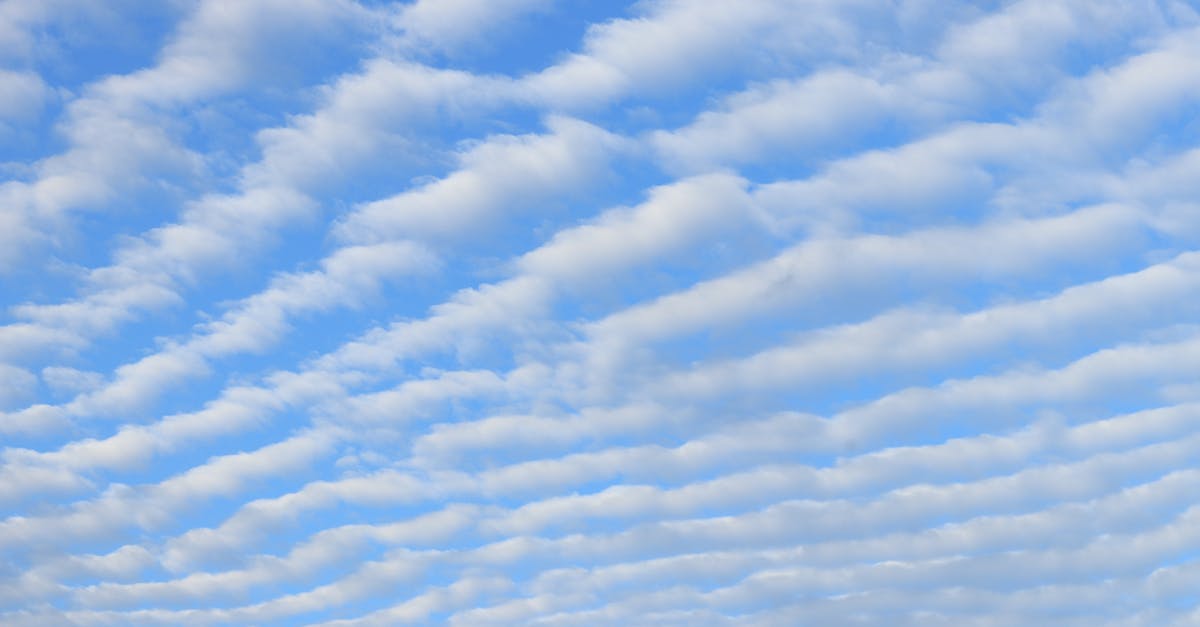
671	312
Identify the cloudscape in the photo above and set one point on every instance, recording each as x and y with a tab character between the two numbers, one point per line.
658	312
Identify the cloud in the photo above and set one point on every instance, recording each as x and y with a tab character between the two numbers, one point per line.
358	313
503	175
18	385
25	95
447	26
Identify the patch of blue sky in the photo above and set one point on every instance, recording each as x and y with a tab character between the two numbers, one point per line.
28	138
73	48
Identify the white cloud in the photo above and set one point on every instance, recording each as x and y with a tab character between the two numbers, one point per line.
22	95
502	176
673	217
364	334
64	379
16	385
447	25
672	41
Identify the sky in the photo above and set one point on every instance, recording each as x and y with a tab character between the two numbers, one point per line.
535	312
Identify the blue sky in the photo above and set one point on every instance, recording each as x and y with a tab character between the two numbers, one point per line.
668	312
